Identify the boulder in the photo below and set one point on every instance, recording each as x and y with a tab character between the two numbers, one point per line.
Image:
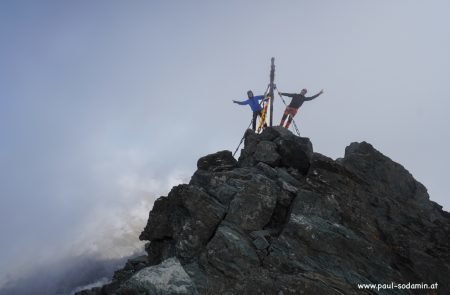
167	278
231	252
219	161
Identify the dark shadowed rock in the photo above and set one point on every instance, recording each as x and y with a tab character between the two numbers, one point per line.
266	153
271	134
187	219
217	162
132	266
286	220
296	152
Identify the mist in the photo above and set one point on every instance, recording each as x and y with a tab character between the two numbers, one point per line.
104	106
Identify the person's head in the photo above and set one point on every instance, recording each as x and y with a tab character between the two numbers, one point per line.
250	94
303	92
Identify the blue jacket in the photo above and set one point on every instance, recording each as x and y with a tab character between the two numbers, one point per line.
253	102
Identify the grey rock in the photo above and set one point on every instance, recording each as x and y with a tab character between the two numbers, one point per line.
246	158
167	278
284	175
215	184
266	153
260	243
252	208
132	266
267	170
287	187
380	171
259	233
231	252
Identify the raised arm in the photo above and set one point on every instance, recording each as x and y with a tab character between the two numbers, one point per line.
314	96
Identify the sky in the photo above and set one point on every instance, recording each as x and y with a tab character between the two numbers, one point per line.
105	105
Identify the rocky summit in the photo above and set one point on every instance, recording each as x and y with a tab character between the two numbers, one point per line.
286	220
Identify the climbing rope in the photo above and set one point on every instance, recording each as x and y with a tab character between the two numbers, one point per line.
293	121
251	121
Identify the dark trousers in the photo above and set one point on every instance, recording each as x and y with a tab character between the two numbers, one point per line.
255	116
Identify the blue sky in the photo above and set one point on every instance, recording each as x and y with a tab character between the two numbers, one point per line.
105	105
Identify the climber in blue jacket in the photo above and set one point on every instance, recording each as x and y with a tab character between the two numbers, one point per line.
253	102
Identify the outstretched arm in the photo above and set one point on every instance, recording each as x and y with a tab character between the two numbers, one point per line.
241	102
287	94
314	96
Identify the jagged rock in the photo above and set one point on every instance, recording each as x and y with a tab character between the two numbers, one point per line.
260	243
296	152
231	252
375	168
287	187
267	170
219	161
252	208
160	215
132	266
284	175
216	185
273	133
266	153
276	146
286	220
188	222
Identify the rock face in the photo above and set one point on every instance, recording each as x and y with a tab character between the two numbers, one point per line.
286	220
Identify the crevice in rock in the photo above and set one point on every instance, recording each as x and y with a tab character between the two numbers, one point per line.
279	219
159	250
215	229
280	216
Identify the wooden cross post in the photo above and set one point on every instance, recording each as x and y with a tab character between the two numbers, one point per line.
271	87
